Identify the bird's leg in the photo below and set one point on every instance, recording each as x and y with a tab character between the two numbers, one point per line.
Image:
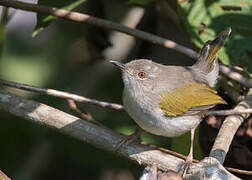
131	138
189	158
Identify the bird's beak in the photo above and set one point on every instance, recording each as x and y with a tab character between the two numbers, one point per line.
118	64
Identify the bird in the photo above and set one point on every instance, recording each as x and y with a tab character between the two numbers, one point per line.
170	100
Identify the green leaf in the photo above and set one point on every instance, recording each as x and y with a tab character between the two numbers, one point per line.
45	20
204	19
141	2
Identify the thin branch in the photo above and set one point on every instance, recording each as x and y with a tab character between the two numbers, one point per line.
228	130
61	94
82	99
81	17
73	107
229	112
176	154
239	171
227	71
241	69
84	18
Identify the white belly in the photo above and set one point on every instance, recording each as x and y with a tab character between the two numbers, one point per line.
154	121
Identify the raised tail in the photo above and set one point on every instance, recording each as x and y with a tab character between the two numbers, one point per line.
208	53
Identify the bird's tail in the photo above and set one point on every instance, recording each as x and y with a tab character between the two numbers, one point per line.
209	51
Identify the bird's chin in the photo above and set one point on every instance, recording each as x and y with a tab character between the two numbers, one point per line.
130	84
126	79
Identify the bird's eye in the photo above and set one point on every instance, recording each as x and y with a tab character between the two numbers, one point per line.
141	75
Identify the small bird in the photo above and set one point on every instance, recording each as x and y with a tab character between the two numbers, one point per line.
169	100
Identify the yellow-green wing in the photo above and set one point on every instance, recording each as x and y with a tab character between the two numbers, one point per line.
192	97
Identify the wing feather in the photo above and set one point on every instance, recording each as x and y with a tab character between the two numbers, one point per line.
188	100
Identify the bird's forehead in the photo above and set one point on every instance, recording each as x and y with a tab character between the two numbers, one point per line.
152	68
147	67
144	65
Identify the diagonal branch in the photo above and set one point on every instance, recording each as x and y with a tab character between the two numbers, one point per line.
229	112
82	99
85	131
227	71
228	130
84	18
81	17
61	94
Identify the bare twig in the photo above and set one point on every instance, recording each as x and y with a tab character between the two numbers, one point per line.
229	112
170	152
84	18
61	94
81	17
235	76
228	130
74	107
66	95
240	69
239	171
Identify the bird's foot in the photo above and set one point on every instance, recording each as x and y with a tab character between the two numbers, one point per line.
129	139
153	173
186	165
